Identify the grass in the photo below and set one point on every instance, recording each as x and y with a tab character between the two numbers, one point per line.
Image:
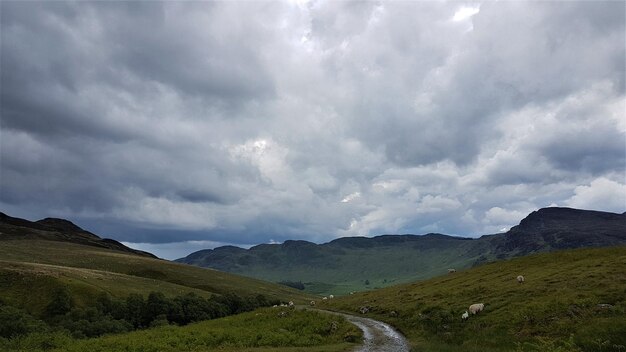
556	309
31	269
341	271
261	330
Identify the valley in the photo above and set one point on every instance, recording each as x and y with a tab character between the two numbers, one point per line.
571	299
352	264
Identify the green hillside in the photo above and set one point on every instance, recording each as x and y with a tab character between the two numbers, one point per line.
55	294
572	300
341	267
40	266
359	263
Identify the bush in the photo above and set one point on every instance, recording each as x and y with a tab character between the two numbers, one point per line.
15	322
61	302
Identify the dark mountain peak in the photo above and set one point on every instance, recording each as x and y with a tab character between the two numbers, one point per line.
563	228
557	218
228	249
389	240
357	242
297	243
9	220
60	224
53	229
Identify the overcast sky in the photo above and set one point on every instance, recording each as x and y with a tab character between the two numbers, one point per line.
177	126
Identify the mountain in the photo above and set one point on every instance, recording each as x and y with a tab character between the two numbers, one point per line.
53	229
563	228
38	258
359	263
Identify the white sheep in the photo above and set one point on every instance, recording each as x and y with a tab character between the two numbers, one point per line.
465	316
290	303
450	271
520	279
324	298
331	296
312	303
476	308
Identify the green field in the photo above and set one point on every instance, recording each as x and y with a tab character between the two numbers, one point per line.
556	309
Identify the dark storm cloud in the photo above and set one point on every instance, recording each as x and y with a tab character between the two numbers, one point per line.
158	122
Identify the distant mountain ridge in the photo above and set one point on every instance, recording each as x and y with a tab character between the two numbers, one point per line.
54	229
357	263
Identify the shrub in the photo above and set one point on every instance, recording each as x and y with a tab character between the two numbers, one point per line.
15	322
61	302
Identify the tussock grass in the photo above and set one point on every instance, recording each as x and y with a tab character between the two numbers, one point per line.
261	330
556	309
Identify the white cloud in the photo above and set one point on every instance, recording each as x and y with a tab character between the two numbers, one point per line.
600	194
351	197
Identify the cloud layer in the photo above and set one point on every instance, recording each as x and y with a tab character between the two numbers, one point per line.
255	122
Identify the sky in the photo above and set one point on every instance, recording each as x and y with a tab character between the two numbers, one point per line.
178	126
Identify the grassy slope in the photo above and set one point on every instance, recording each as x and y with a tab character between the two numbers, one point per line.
258	331
349	270
28	266
559	299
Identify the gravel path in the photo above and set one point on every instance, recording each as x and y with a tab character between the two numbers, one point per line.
377	336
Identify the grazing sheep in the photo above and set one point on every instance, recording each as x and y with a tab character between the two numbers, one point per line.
324	298
334	326
331	296
312	303
450	271
465	316
520	279
476	308
290	304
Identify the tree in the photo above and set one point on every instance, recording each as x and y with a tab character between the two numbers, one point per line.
60	304
156	305
135	309
15	322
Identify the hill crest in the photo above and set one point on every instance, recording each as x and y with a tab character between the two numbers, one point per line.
54	229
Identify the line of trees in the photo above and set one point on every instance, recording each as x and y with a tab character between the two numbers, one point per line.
110	315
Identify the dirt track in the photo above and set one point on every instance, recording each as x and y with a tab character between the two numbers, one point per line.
377	336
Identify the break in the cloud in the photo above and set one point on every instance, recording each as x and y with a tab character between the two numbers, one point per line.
175	122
